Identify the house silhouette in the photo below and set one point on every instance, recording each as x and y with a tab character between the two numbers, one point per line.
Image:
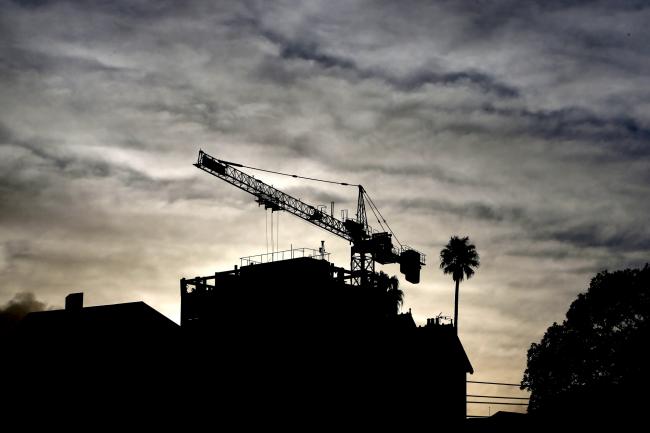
132	322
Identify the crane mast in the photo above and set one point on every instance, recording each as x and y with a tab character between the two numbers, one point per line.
368	246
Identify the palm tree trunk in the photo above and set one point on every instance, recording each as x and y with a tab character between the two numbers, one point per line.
456	308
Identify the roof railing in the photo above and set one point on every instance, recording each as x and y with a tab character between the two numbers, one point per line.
277	256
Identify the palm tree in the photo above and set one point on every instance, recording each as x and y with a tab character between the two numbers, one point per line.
458	258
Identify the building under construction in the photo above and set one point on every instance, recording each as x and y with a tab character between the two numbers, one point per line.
285	339
317	326
315	335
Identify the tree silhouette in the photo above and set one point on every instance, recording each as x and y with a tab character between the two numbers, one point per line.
594	364
459	258
393	295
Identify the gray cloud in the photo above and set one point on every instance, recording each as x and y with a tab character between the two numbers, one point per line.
593	235
474	210
523	125
612	236
310	51
626	135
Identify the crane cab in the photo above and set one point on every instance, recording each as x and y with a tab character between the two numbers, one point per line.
355	229
382	248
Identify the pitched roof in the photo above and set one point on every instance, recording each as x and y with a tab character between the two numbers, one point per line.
442	341
127	319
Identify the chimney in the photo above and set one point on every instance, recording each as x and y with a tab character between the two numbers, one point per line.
74	302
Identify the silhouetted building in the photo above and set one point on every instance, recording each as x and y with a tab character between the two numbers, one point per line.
134	322
93	343
306	327
438	350
284	342
109	358
504	421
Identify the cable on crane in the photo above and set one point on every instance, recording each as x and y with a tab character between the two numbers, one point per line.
377	217
266	220
235	164
372	203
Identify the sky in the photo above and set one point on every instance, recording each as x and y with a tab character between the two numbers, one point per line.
523	125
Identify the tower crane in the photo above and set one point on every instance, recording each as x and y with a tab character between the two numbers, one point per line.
367	245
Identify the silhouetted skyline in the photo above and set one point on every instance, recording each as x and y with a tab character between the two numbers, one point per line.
522	126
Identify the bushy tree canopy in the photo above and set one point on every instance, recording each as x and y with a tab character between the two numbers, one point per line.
596	362
393	295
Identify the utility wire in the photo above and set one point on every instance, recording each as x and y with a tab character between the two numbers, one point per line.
234	164
266	220
496	396
495	383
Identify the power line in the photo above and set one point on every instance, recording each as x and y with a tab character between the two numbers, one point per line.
494	383
266	220
496	396
497	402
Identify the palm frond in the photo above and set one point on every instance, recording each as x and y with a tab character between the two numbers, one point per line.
459	258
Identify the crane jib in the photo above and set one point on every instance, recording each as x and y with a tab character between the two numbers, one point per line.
272	196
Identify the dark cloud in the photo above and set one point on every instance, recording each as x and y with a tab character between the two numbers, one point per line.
17	308
473	210
622	135
140	9
430	171
311	51
473	78
624	239
613	236
21	61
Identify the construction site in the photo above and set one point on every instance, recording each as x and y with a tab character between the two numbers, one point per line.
310	327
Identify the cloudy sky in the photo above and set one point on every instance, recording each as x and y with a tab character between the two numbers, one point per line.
523	125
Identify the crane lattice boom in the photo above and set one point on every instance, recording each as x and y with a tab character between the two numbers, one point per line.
271	197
